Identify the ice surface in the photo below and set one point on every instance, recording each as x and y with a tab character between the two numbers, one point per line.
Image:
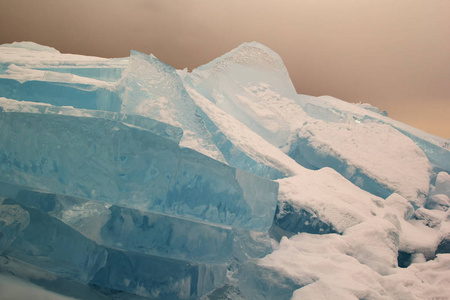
54	246
252	84
353	150
162	129
154	89
149	233
119	164
335	110
127	179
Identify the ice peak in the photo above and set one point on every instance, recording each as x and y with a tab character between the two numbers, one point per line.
248	54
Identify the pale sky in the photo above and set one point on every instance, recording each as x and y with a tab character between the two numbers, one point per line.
394	54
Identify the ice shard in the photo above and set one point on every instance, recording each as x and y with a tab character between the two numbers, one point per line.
153	89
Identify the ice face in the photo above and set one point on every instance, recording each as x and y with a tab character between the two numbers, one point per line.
249	83
13	220
149	233
206	127
58	89
154	90
119	164
54	246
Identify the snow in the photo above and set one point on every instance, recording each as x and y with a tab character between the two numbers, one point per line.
331	197
358	149
221	183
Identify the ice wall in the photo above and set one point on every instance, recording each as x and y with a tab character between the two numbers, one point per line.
50	244
110	161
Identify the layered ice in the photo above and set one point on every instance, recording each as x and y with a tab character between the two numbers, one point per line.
148	232
127	179
54	246
116	163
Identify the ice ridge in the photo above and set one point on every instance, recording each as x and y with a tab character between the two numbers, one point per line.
127	179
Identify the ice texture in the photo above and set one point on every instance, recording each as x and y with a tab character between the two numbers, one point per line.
335	110
347	148
128	179
154	89
54	246
120	164
148	232
252	84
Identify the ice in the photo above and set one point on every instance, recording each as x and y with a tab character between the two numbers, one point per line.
162	129
149	233
255	97
116	163
335	110
154	89
58	89
352	149
252	84
54	246
127	179
13	220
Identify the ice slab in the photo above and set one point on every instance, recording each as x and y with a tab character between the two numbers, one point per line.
54	246
103	73
162	129
376	157
149	233
13	220
331	109
32	55
58	89
110	161
153	89
240	146
252	84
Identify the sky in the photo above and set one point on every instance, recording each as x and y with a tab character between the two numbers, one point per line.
393	54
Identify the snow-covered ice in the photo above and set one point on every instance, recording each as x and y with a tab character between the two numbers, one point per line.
128	179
